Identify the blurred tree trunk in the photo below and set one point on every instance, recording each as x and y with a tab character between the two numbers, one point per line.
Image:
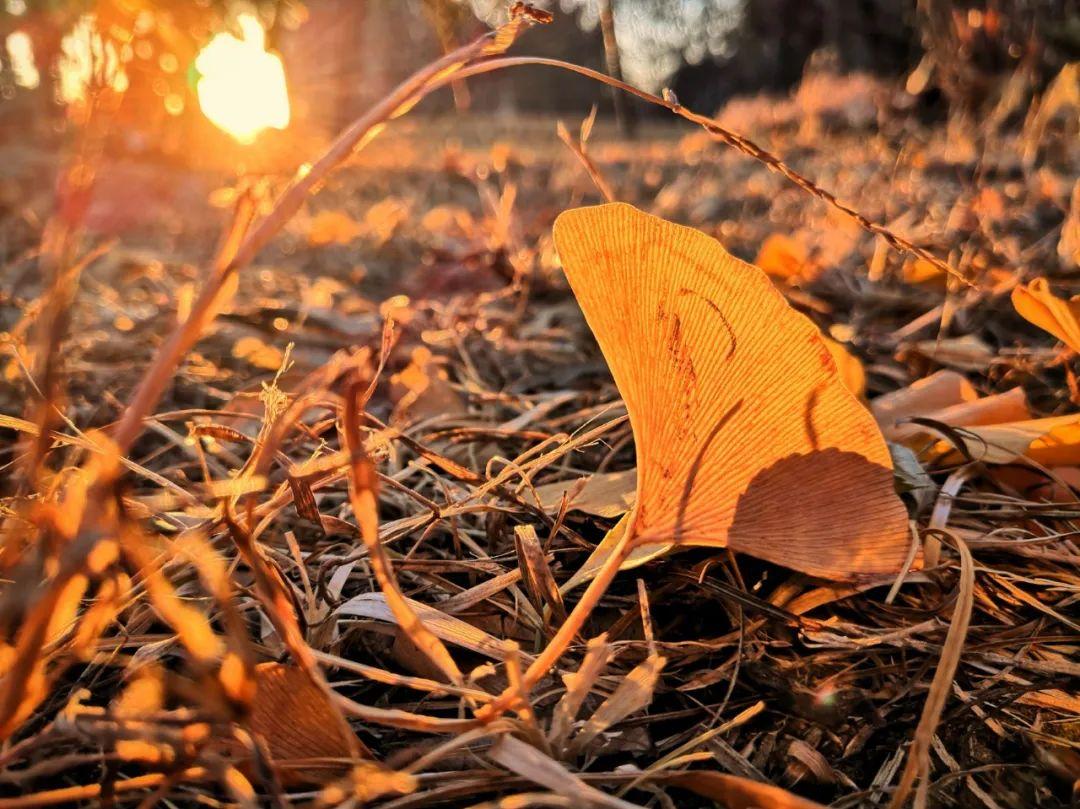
624	112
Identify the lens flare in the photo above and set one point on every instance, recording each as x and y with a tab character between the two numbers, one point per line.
241	86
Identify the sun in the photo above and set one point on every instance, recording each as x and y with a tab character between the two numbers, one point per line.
241	86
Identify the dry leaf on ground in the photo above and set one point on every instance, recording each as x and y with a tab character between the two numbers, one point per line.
746	436
1039	305
307	738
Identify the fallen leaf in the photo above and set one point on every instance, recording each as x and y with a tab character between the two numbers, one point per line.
935	392
1053	699
998	408
746	436
308	740
608	494
258	353
968	353
734	792
143	695
1037	304
333	227
383	219
921	271
1053	441
783	257
909	474
421	390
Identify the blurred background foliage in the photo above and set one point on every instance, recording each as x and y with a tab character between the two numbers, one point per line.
341	55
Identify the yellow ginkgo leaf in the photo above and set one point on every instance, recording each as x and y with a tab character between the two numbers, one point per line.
935	392
1037	304
921	271
998	408
783	257
746	435
333	227
1053	441
258	353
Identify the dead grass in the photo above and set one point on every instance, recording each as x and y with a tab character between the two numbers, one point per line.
358	498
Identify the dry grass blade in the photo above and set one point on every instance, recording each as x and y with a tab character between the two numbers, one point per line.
578	686
94	792
743	144
378	675
634	693
734	792
375	606
525	799
530	763
403	720
363	487
578	148
537	573
918	761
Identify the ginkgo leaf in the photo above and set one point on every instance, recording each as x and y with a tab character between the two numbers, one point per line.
333	227
746	436
851	370
935	392
998	408
997	429
1037	304
1052	441
921	271
783	257
307	738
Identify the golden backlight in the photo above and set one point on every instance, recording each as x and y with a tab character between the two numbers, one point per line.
241	86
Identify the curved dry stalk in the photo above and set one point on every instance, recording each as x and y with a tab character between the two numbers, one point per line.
918	762
363	487
562	639
237	253
578	148
90	792
743	144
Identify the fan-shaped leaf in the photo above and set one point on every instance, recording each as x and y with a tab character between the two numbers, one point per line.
746	436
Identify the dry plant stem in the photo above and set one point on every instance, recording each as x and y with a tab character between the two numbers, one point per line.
918	762
363	488
733	139
356	135
940	515
89	792
587	162
562	639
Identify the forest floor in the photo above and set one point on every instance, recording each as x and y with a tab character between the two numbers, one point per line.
446	227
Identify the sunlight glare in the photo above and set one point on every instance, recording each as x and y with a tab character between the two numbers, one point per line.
20	50
241	86
88	60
